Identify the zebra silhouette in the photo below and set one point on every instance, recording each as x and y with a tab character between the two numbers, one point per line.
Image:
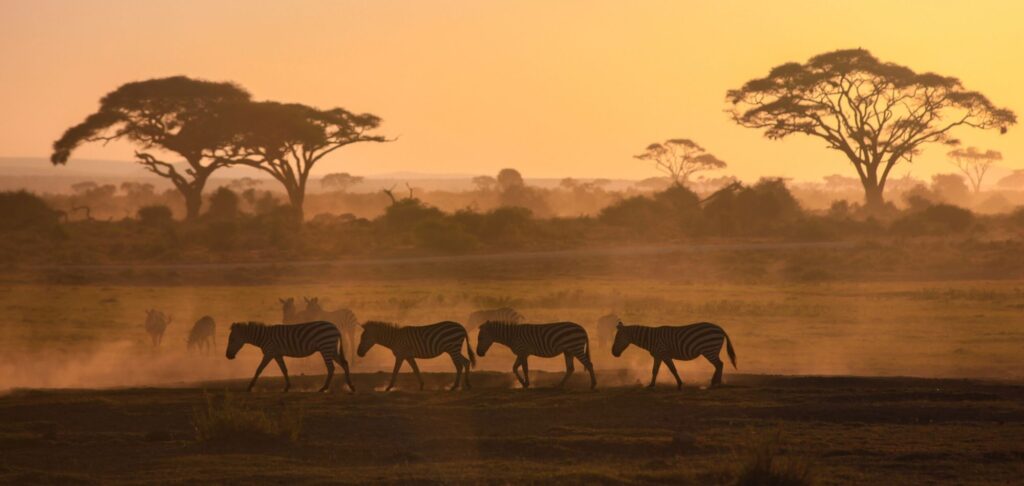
292	340
410	342
203	335
666	343
544	340
503	314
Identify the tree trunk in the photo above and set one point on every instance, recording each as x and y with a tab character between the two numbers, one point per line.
873	200
296	196
193	201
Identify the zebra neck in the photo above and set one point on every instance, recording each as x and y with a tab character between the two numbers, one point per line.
643	337
387	337
257	337
504	333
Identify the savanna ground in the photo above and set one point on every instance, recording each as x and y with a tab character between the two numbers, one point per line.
82	328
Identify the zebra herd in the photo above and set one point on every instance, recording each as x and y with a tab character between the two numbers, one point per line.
315	330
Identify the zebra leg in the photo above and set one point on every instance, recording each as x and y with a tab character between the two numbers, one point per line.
394	373
466	366
515	370
526	373
717	363
457	361
329	362
284	371
569	368
654	372
259	369
416	371
672	367
589	366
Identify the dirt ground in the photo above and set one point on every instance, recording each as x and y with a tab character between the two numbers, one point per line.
840	429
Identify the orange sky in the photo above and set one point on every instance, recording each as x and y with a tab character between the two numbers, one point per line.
554	88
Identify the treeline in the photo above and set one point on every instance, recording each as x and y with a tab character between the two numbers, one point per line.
254	227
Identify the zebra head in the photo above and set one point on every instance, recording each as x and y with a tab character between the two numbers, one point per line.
623	338
485	338
238	337
287	308
374	332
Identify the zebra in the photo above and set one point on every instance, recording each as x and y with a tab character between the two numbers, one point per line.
156	324
292	340
544	340
666	343
503	314
345	319
289	313
411	342
606	330
202	334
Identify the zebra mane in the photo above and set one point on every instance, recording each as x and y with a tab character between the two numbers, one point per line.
380	325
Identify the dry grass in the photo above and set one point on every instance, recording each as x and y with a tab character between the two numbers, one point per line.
230	419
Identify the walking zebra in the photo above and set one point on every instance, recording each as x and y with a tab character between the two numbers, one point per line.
411	342
504	314
345	319
292	340
666	343
156	324
544	340
202	336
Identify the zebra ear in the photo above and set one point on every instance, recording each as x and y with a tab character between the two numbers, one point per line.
280	300
619	325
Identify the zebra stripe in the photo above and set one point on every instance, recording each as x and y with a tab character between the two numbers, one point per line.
411	342
544	340
292	340
504	314
667	343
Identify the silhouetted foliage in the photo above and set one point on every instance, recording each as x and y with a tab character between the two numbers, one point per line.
224	205
156	216
938	219
974	163
168	114
680	158
876	113
762	209
22	210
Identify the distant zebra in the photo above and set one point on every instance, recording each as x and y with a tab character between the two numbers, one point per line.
156	324
503	314
202	336
292	340
410	342
544	340
666	343
345	319
291	315
606	330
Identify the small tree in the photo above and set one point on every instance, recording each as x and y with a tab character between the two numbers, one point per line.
162	114
974	163
509	179
680	158
340	181
876	113
484	183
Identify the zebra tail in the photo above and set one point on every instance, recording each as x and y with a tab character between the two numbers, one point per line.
469	350
728	349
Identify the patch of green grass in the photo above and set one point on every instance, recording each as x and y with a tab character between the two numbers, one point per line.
231	419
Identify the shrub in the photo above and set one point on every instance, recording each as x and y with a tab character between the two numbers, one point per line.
934	220
156	215
24	210
443	235
224	205
231	420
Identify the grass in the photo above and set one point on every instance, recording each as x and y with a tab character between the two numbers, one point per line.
231	419
763	465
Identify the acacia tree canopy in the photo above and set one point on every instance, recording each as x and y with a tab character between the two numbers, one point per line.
974	163
287	140
163	114
680	158
876	113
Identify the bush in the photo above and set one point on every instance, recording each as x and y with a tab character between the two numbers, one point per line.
762	209
24	210
937	219
230	420
443	235
156	216
224	205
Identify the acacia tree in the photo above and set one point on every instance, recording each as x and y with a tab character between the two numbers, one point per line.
340	181
287	140
160	114
876	113
974	163
680	158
